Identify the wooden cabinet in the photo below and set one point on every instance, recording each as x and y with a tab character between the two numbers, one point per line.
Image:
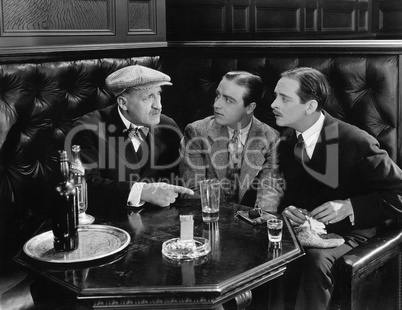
267	19
39	23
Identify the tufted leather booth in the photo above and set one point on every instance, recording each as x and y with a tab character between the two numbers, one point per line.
38	105
39	102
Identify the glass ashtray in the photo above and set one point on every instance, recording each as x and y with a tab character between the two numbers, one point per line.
180	262
191	249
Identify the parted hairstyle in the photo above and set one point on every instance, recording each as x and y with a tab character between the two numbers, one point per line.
252	83
313	85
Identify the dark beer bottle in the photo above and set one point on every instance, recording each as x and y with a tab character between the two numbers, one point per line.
65	217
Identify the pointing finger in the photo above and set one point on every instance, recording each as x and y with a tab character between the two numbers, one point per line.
182	190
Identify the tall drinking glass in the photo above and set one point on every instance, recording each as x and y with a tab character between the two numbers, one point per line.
210	196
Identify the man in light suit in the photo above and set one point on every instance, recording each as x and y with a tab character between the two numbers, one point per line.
129	148
234	147
335	173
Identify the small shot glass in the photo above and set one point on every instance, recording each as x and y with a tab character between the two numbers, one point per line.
275	233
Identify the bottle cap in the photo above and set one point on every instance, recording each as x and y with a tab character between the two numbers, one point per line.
76	148
62	155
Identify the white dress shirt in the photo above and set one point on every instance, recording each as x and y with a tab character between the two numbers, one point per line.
311	135
242	134
136	190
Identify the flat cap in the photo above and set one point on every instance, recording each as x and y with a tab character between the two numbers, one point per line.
137	77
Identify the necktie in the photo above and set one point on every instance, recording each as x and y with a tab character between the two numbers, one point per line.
139	133
300	150
235	151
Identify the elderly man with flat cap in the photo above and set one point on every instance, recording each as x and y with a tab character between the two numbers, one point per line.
129	148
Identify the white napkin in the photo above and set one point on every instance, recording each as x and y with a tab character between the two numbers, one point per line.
315	225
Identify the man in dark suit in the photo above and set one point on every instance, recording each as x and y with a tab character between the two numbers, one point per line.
130	147
235	147
335	173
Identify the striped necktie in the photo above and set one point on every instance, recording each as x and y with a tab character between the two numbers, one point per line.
137	132
140	134
235	149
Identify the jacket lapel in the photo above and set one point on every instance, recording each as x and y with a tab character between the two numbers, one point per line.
219	138
321	164
328	135
253	156
154	143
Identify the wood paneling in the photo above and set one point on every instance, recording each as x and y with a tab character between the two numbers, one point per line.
274	19
241	19
48	17
142	17
267	19
390	16
190	17
311	19
27	23
335	19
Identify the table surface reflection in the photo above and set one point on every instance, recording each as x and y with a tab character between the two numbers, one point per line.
140	276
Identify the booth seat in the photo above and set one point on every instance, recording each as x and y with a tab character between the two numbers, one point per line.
39	102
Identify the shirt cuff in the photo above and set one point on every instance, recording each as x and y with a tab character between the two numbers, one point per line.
135	195
352	216
352	219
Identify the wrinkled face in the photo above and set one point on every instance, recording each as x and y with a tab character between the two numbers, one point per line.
142	107
229	109
288	108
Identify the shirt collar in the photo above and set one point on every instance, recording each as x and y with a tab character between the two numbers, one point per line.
313	131
242	133
126	122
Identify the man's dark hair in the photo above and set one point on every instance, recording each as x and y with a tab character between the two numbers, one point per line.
252	83
313	84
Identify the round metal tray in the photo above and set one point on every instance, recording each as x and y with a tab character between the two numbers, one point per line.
95	242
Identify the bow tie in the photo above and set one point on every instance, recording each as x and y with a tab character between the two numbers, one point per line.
139	133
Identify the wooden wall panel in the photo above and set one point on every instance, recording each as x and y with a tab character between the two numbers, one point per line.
311	19
193	18
278	15
142	16
73	23
44	17
363	20
273	19
337	20
267	19
241	19
339	16
390	16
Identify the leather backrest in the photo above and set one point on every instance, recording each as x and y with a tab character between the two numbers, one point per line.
365	88
40	101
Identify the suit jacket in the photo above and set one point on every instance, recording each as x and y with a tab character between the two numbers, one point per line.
347	162
205	155
112	165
